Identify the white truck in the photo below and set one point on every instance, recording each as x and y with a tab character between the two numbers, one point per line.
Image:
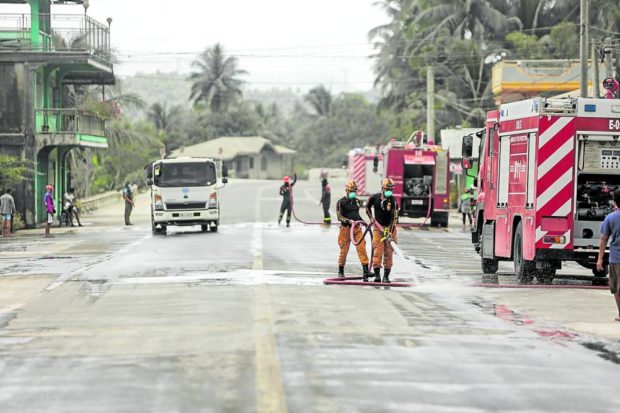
184	192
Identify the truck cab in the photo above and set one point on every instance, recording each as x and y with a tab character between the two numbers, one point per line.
184	192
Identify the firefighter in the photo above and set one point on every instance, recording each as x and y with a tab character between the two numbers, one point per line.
285	191
348	210
326	199
385	214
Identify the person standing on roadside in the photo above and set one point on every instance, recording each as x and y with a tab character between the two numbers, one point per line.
326	200
50	208
465	205
129	203
611	229
7	209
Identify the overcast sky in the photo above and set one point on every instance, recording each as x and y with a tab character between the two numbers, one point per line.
149	33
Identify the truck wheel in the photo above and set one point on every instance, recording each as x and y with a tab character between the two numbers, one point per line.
545	276
163	229
204	228
154	228
489	266
214	228
598	273
524	270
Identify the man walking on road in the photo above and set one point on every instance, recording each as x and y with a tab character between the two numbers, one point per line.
129	204
7	209
611	229
347	211
50	208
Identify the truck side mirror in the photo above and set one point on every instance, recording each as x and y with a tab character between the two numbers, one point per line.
149	182
148	171
224	172
375	164
467	147
224	180
476	182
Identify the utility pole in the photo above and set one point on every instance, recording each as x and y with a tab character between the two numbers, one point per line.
583	46
430	104
596	82
609	71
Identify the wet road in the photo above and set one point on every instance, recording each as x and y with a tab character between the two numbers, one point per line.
112	319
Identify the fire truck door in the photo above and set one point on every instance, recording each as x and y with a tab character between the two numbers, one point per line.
502	238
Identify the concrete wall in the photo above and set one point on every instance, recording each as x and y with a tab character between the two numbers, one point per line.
16	128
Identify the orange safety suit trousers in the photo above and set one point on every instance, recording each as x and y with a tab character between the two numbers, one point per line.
382	250
344	242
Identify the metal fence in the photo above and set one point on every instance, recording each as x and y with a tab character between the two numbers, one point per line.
69	121
56	32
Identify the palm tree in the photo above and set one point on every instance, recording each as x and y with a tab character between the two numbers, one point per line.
320	99
162	117
216	80
478	19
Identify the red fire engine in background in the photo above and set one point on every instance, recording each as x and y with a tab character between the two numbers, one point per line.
548	168
365	168
421	174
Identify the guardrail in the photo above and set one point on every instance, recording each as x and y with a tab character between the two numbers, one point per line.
68	121
97	201
55	33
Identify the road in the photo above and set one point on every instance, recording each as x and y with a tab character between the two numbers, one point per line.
108	318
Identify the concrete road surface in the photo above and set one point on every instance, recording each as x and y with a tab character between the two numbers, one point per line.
108	318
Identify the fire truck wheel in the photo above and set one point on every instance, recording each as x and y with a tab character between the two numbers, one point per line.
598	273
524	269
545	276
489	266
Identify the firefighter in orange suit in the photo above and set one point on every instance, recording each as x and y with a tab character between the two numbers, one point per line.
385	213
348	210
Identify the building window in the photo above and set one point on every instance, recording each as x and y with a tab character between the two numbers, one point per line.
263	163
251	163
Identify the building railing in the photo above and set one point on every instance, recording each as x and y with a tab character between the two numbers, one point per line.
56	33
68	121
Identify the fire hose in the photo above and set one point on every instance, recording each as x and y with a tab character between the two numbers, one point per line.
358	280
295	215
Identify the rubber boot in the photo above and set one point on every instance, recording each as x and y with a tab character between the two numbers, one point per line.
341	271
378	275
366	273
386	275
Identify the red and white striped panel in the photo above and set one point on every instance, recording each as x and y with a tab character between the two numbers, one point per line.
359	173
555	177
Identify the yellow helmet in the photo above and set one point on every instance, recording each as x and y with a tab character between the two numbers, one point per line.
387	184
350	186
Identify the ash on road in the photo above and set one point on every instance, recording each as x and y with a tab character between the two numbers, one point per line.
109	318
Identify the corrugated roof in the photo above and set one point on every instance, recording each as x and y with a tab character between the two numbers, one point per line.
229	147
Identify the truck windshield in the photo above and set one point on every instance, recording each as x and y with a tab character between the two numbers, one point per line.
186	174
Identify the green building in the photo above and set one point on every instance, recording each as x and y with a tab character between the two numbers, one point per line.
41	54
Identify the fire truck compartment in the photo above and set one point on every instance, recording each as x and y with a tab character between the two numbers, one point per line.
594	201
417	189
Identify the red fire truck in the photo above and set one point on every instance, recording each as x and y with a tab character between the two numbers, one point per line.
548	168
422	180
365	167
